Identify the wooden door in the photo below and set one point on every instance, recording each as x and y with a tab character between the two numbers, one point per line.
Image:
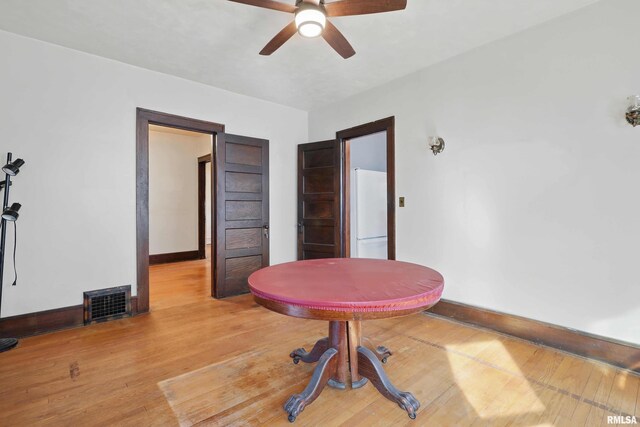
319	200
242	211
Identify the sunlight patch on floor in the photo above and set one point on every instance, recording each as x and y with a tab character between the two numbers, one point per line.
493	393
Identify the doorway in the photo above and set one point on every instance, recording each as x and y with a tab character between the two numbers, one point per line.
368	214
325	191
177	194
239	204
147	122
365	190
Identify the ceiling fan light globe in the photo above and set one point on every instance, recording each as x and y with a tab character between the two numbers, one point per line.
310	22
310	30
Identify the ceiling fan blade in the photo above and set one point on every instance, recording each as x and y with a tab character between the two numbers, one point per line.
280	39
363	7
269	4
337	41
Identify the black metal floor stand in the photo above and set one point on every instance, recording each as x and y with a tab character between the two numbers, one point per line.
5	343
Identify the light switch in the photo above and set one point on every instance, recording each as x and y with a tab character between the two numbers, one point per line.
402	202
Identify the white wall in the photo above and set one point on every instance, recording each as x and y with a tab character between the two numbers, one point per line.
207	204
72	117
173	190
369	152
533	207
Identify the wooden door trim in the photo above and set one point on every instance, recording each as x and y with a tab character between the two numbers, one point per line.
343	136
144	118
346	199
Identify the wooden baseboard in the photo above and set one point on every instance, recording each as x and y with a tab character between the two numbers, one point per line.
174	257
41	322
617	353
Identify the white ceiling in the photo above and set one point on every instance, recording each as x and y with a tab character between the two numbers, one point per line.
217	42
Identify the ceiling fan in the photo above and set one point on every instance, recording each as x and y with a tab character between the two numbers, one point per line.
311	19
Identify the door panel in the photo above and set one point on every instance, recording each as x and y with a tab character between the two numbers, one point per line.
242	210
244	238
322	209
318	181
242	222
243	182
314	234
243	154
319	200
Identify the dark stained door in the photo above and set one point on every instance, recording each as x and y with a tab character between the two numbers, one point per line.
242	214
319	200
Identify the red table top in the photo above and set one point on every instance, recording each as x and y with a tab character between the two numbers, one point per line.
349	285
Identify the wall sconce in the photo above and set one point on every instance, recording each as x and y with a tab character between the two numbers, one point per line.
436	144
633	112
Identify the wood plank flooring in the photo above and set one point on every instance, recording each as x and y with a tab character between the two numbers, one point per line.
198	361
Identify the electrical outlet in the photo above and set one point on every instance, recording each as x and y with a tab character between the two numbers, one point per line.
402	202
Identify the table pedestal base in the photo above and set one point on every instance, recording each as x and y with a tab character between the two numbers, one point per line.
340	354
381	352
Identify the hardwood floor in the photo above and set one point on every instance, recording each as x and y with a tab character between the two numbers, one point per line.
180	283
195	360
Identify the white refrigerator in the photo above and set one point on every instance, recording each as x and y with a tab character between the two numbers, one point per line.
369	214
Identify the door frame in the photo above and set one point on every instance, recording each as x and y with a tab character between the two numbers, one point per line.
202	217
144	118
343	136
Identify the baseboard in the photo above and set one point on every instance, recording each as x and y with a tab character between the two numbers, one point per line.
617	353
174	257
42	322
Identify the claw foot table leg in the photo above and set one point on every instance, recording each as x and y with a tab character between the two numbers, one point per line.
371	368
382	352
312	356
325	369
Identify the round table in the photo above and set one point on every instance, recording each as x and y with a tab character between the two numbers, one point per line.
346	291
